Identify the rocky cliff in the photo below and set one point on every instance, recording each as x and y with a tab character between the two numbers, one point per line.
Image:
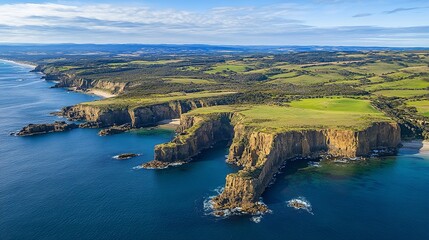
70	80
196	133
82	84
142	116
262	153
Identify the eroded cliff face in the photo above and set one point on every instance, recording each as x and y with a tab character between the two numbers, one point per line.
137	117
69	80
262	153
150	115
195	134
94	114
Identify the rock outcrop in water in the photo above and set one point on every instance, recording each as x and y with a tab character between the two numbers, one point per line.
125	156
262	153
115	130
35	129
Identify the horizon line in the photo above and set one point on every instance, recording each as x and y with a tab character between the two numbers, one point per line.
208	44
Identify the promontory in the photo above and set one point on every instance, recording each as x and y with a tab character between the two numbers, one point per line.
265	137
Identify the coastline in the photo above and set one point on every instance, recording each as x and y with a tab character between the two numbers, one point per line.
425	149
24	64
420	146
169	123
97	92
101	93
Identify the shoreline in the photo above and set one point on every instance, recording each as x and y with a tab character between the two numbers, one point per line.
101	93
97	92
169	124
420	146
24	64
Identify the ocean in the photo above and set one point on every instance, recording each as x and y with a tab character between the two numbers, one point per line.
68	185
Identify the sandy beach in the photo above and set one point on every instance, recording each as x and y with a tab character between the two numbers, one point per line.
25	64
101	93
425	149
169	123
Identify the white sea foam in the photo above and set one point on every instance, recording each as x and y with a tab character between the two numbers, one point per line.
149	168
173	164
210	211
138	167
256	219
117	157
314	164
176	164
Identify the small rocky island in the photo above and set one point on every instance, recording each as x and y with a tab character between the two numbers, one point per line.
125	156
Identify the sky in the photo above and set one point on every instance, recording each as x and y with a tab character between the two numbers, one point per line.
258	22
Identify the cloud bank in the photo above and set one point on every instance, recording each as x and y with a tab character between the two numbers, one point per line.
270	25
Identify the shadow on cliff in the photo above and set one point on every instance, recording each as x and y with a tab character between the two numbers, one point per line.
282	180
217	152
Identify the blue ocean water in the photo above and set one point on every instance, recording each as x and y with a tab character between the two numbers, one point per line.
68	186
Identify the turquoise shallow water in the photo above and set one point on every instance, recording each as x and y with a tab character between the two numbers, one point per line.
67	186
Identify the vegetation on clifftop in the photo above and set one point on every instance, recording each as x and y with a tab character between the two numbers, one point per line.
154	74
122	102
422	107
319	113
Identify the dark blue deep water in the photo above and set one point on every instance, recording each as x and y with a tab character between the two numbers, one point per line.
67	186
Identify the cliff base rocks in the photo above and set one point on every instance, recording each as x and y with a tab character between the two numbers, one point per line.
155	164
35	129
115	130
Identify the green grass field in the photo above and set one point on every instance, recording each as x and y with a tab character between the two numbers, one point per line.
141	62
414	83
185	80
321	113
336	104
133	102
422	107
416	69
401	93
328	73
310	79
229	66
380	68
66	68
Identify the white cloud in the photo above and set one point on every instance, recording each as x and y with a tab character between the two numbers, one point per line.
48	14
103	23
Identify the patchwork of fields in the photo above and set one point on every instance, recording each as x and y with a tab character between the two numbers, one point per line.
263	78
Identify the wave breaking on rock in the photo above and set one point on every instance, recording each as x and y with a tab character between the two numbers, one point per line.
210	210
300	203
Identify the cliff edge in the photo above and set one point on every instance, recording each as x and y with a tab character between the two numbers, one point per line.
262	143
